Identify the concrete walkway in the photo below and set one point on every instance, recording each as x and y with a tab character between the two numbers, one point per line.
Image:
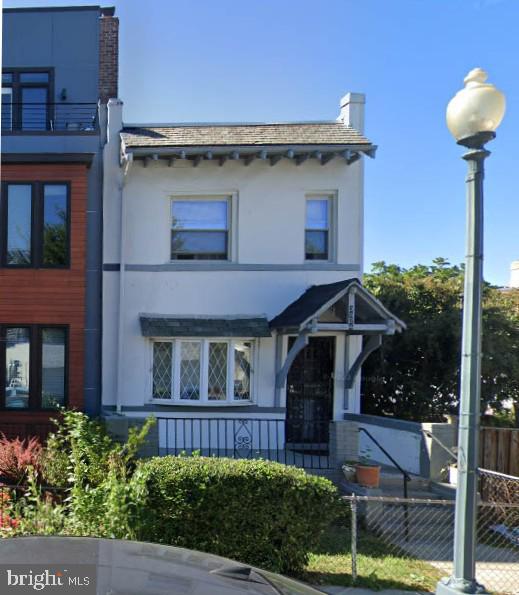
333	590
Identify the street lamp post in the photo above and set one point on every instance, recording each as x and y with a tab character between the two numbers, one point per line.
472	117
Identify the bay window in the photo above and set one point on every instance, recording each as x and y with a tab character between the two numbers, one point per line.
193	371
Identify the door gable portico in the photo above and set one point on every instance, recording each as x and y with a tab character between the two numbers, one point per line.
343	307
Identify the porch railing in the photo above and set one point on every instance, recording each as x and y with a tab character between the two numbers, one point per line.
247	438
50	117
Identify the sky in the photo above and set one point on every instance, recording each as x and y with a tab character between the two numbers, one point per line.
284	60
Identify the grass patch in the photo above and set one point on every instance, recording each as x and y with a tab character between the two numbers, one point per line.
330	564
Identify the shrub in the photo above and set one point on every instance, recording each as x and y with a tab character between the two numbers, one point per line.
255	511
17	456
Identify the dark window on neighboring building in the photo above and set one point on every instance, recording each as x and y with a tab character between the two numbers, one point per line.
26	99
33	366
35	224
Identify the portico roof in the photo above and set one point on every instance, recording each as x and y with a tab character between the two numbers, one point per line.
345	304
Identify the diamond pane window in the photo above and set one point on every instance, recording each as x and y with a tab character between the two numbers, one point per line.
242	369
217	375
190	370
162	356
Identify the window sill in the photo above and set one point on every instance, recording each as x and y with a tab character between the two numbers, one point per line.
194	404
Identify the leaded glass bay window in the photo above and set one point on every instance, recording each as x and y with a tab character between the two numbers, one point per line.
190	370
162	360
242	370
202	370
217	372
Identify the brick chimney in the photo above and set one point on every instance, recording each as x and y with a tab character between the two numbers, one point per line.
108	54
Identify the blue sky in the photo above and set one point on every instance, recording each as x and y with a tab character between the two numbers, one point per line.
279	60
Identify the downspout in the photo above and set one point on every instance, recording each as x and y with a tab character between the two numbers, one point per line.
126	163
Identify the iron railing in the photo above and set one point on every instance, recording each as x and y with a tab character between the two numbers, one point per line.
405	475
247	438
51	117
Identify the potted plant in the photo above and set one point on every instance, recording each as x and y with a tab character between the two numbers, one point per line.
366	471
349	471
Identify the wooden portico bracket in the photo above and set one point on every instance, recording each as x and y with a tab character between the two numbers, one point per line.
300	343
373	343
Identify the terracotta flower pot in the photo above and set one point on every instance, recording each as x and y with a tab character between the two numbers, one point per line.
368	475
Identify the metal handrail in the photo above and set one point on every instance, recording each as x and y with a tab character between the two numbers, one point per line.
404	473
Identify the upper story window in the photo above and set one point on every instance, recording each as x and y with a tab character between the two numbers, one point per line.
317	228
26	99
34	225
33	364
193	371
200	229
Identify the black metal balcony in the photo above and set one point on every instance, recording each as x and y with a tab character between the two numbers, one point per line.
49	117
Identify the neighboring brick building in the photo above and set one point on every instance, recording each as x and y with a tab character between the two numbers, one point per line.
55	84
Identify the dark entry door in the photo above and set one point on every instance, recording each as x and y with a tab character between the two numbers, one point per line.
310	392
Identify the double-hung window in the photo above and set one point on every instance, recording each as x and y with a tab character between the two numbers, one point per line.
200	228
26	99
317	228
193	371
34	224
33	366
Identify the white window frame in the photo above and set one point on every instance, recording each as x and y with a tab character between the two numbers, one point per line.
331	198
232	217
204	371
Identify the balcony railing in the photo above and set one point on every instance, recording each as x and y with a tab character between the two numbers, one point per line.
49	117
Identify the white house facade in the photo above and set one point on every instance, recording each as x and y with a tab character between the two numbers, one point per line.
233	258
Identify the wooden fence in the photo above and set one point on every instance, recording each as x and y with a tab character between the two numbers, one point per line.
499	450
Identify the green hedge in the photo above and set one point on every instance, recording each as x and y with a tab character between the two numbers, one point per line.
258	512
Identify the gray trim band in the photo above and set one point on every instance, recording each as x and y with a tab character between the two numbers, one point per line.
198	409
230	266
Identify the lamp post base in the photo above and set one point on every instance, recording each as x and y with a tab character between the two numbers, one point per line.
455	586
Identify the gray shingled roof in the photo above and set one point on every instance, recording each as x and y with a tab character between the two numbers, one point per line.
308	303
155	325
369	309
210	135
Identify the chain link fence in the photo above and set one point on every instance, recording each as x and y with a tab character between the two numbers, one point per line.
423	530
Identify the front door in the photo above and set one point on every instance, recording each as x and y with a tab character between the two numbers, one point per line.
310	392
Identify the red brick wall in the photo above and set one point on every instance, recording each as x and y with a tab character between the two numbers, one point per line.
108	57
46	296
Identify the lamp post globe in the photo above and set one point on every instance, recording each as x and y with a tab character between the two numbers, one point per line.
478	108
473	115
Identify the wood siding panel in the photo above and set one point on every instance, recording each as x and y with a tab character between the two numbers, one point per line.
51	296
